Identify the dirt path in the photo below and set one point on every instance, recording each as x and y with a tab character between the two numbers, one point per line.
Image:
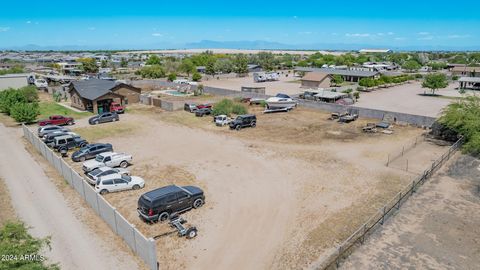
435	229
40	205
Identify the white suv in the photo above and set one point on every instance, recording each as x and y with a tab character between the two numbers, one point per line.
118	182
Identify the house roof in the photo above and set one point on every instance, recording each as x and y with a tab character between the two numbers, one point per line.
466	69
93	88
343	72
315	76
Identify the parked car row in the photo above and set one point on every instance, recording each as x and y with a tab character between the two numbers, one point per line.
192	107
107	171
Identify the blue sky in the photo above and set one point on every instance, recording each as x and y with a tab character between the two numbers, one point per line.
154	23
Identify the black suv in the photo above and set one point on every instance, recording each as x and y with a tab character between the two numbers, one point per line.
91	151
160	203
68	142
246	120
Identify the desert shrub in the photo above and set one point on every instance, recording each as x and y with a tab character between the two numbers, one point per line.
172	77
418	76
16	241
463	117
356	95
196	77
239	109
228	107
10	97
24	112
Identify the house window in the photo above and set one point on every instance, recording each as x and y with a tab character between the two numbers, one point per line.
126	101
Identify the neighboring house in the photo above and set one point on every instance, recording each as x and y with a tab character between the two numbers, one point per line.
96	95
316	80
349	75
201	69
466	71
14	80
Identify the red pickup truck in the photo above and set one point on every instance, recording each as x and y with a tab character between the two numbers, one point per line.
116	107
57	120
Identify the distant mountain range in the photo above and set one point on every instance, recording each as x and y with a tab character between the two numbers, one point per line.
254	45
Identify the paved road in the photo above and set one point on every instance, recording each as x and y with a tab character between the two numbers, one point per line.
40	205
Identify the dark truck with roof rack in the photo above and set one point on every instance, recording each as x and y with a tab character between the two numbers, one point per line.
159	204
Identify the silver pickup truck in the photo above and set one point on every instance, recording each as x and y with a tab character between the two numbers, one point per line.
109	159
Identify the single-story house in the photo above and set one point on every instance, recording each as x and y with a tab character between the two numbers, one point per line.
96	95
466	71
14	80
348	75
469	83
316	80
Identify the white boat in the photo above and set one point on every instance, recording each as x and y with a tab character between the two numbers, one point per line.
280	101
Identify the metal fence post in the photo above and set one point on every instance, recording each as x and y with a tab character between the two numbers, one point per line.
383	216
413	186
399	200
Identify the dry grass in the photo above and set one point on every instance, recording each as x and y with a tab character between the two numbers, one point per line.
102	131
341	224
7	213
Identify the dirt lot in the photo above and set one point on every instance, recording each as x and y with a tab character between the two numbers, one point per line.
436	229
280	194
287	84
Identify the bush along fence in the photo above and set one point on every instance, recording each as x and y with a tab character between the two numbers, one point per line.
144	247
358	237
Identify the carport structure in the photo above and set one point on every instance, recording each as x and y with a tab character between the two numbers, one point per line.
469	83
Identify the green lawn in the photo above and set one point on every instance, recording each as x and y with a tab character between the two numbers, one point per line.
48	108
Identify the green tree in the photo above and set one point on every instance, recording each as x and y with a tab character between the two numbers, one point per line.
223	66
123	62
336	80
196	77
13	70
462	116
30	93
89	65
153	60
240	63
198	90
104	64
17	242
172	77
435	81
210	68
411	65
151	72
10	97
25	112
187	66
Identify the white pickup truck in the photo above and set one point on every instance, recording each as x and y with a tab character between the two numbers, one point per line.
222	120
109	159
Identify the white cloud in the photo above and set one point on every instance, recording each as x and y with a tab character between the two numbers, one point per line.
157	35
4	29
28	22
390	33
358	35
423	33
400	38
458	36
425	38
305	33
92	28
295	17
334	34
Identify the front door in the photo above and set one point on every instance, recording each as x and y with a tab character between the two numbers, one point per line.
120	184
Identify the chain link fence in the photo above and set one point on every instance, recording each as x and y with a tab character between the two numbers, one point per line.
358	237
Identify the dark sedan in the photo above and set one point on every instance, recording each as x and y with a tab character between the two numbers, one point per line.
202	112
103	118
91	151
